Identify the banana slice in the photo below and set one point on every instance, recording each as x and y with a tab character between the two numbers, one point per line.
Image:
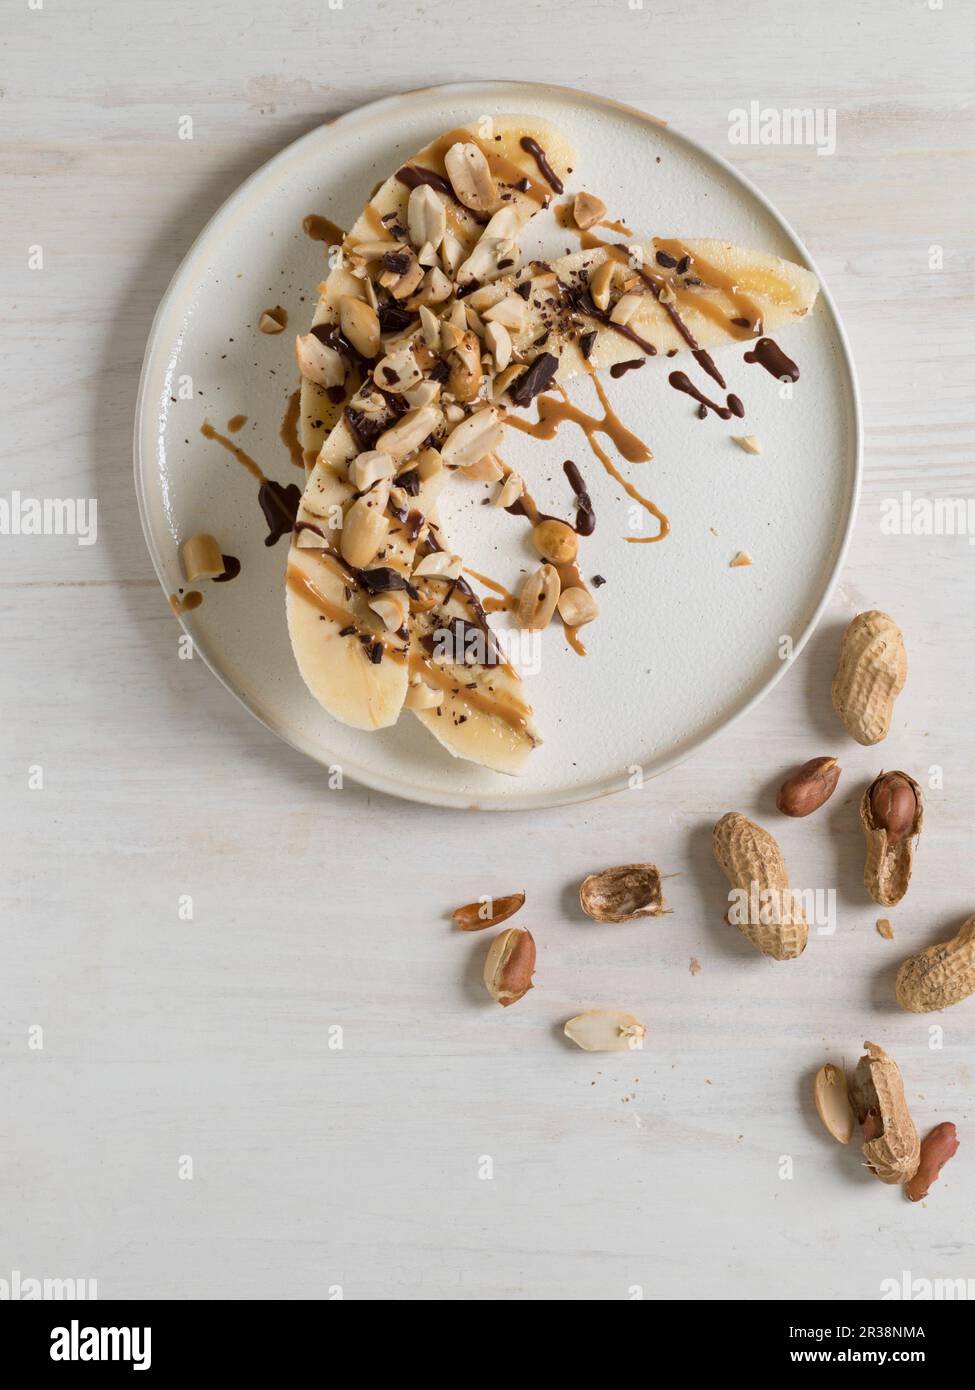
728	293
352	634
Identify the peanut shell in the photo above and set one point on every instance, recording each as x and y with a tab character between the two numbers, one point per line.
753	863
939	976
887	870
877	1094
623	893
870	675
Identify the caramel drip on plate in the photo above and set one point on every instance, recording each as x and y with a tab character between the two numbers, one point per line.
236	422
551	414
289	429
505	602
570	576
187	603
511	711
321	229
208	432
565	217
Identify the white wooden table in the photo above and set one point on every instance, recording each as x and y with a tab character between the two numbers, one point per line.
448	1149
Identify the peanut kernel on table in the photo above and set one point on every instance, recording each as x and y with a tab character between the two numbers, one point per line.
201	557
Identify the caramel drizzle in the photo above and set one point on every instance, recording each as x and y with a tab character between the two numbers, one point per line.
504	170
289	429
208	432
504	603
570	576
551	414
508	709
187	603
321	229
301	585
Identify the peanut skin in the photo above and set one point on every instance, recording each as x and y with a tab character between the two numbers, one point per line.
894	805
936	1149
809	787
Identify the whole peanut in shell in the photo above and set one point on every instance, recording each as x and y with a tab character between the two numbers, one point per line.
939	976
870	675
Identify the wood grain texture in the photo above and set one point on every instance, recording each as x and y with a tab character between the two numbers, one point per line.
360	1167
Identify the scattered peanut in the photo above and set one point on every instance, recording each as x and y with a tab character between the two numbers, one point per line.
201	557
537	599
871	674
936	1149
605	1030
749	442
809	787
587	210
510	965
833	1102
939	976
555	541
577	607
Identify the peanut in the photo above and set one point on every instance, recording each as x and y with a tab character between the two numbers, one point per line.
890	1141
753	863
555	541
870	675
891	813
537	599
510	965
833	1102
490	912
894	805
605	1030
936	1149
809	787
940	976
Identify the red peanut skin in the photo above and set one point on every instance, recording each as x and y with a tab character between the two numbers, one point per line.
936	1149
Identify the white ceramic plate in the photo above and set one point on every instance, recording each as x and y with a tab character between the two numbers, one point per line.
684	643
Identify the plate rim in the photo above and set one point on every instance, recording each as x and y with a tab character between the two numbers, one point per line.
367	777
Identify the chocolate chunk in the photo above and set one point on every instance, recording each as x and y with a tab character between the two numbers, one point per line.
393	319
666	260
587	342
682	265
538	376
366	428
397	261
597	581
382	579
524	289
409	482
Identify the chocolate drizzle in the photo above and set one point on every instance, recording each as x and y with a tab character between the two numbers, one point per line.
619	369
769	355
280	507
231	569
533	148
585	516
680	381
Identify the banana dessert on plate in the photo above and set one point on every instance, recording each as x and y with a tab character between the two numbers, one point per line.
431	337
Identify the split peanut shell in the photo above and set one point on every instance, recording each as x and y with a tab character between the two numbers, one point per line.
940	976
887	870
891	1145
623	893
